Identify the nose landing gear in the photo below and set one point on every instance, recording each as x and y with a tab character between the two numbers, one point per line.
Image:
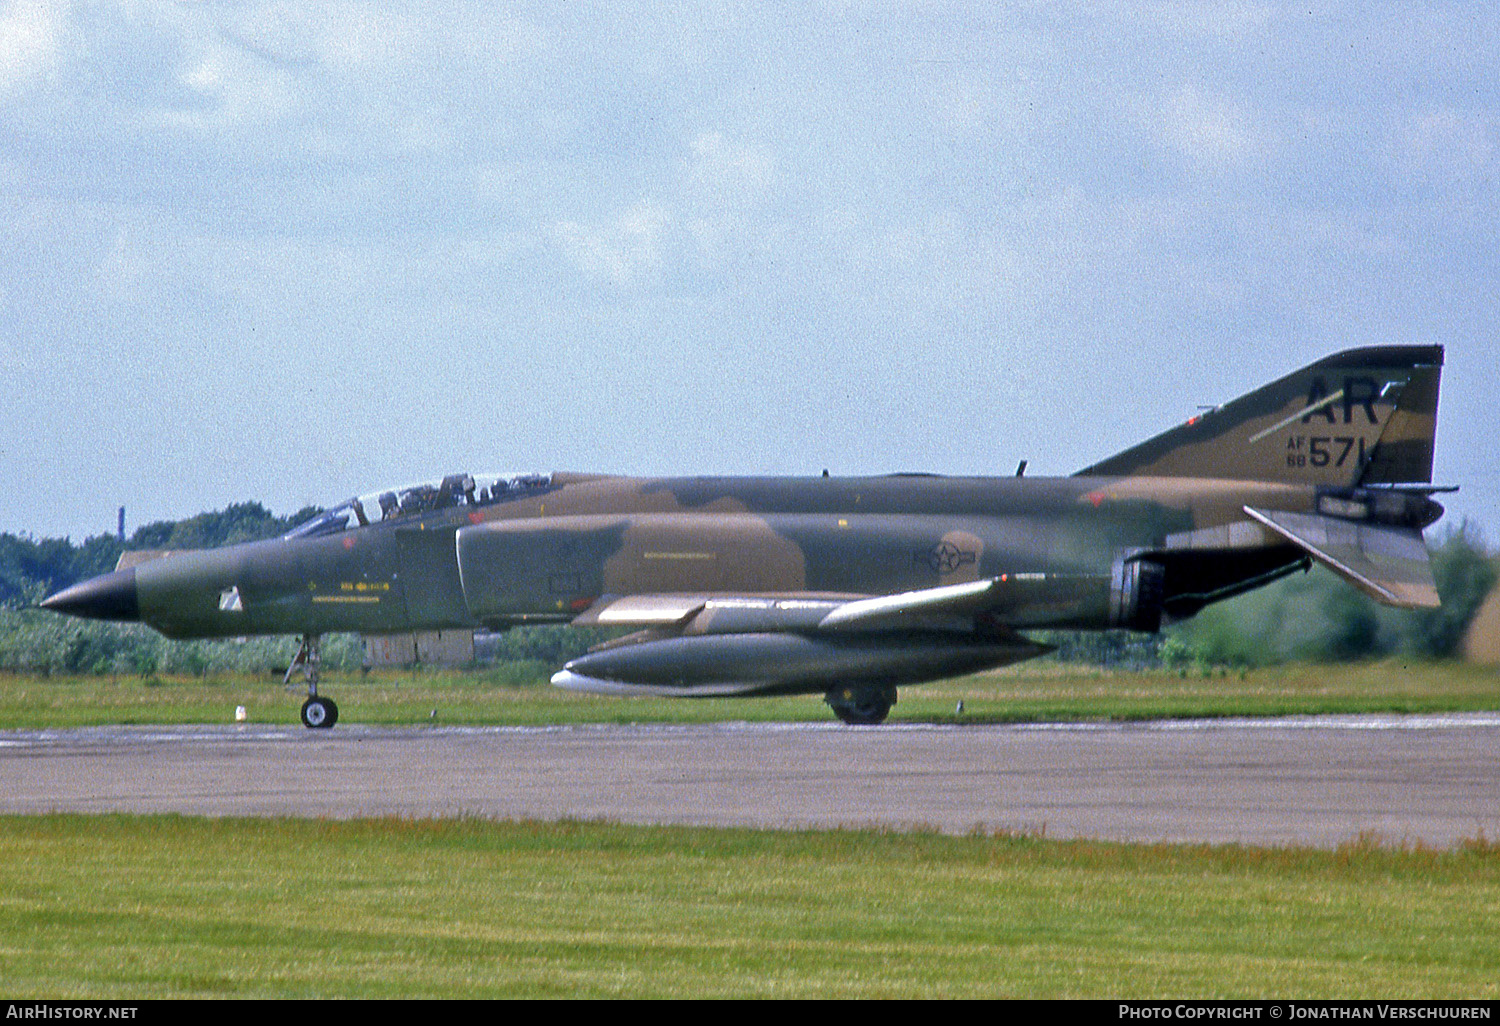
318	713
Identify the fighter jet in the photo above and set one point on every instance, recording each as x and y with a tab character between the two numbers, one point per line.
845	586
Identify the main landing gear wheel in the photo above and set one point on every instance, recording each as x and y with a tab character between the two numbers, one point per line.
862	707
319	713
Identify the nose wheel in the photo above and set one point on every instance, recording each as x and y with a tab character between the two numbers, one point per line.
318	713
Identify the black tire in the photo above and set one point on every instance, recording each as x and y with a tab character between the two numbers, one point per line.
319	713
862	707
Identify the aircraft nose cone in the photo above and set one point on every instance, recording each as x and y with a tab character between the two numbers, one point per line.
109	596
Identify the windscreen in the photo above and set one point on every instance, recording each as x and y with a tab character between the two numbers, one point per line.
415	500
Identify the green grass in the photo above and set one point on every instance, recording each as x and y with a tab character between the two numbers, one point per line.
162	906
159	906
1039	692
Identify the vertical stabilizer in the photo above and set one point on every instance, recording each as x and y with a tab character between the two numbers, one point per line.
1363	416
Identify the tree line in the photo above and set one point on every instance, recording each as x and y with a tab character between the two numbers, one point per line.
1318	616
31	569
33	641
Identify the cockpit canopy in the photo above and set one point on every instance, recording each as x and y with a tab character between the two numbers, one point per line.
414	500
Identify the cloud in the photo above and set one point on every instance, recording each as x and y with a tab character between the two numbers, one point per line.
724	174
860	192
727	187
1446	147
123	269
1212	131
709	204
224	88
30	34
623	250
1229	19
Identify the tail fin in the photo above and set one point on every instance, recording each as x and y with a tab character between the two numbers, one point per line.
1360	417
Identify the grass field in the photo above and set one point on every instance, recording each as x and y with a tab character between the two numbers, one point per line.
160	906
1039	692
130	907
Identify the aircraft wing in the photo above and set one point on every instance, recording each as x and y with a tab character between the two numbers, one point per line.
642	611
894	611
1389	564
925	608
718	644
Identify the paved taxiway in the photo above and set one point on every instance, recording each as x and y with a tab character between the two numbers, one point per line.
1315	780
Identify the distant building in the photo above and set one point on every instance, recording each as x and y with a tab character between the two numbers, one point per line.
424	648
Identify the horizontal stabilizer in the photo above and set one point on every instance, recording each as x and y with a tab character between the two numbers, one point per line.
1389	564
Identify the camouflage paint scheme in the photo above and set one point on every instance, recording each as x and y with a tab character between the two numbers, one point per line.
851	586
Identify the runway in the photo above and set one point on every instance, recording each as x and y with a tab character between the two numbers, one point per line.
1304	780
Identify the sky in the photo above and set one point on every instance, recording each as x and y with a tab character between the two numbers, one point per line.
294	252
